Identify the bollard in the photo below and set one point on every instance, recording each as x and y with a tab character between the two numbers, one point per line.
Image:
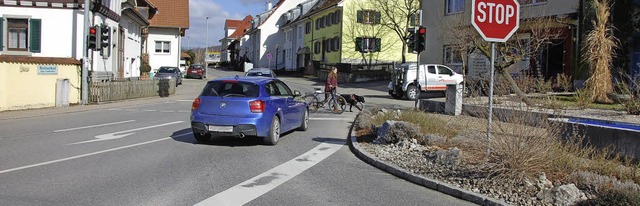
453	104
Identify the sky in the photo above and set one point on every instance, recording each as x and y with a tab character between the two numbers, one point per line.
217	11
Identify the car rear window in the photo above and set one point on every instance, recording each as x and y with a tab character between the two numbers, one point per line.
167	70
231	89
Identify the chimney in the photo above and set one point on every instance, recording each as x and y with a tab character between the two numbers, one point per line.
269	5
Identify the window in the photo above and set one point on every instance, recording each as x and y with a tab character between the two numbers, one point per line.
22	34
327	45
316	47
307	27
17	34
163	47
532	2
368	17
444	70
454	6
335	46
365	44
328	19
317	23
338	16
431	69
452	55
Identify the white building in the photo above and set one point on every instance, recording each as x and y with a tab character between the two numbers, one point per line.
266	43
131	24
166	27
294	35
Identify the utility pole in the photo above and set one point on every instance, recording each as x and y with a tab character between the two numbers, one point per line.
85	55
206	47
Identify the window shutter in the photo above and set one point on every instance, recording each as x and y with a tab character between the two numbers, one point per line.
359	18
377	20
359	44
1	45
378	44
35	30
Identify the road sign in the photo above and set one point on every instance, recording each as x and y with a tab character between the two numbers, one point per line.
495	20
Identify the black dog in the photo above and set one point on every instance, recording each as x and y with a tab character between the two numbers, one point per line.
352	100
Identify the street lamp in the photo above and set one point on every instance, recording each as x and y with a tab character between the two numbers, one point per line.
206	50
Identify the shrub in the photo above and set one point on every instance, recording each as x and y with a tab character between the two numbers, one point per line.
145	68
631	102
543	86
583	98
613	198
563	82
402	131
526	83
599	183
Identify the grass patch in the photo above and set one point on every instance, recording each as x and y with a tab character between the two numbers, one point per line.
572	102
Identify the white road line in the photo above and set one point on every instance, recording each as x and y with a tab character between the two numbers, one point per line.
166	111
89	154
92	126
121	134
328	118
267	181
149	110
114	109
185	100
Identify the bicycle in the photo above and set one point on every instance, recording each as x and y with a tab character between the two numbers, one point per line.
314	103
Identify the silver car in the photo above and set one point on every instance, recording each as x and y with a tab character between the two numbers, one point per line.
263	72
166	72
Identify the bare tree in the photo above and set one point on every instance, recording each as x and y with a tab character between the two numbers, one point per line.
365	30
529	41
399	15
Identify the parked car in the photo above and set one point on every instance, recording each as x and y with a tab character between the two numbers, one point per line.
196	71
166	72
264	72
433	78
247	106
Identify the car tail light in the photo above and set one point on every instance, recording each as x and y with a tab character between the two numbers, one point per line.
256	106
195	104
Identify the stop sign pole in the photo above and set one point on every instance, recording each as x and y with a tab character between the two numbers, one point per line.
496	21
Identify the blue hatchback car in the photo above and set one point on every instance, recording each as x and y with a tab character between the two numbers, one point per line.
247	106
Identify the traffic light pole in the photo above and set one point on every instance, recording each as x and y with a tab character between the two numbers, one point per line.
85	56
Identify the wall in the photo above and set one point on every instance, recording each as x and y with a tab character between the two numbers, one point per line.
61	30
21	87
132	45
156	60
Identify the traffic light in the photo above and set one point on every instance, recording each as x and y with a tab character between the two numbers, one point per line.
105	36
91	39
421	39
105	40
411	39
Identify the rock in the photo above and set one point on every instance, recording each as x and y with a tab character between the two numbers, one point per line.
382	131
382	111
543	183
445	157
563	195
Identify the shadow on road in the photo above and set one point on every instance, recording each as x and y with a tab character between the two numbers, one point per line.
330	140
217	140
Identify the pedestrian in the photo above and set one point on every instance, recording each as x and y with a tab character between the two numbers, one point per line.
332	86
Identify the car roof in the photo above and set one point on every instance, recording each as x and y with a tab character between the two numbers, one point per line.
263	70
256	80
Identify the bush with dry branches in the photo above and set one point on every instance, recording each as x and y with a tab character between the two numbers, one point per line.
600	45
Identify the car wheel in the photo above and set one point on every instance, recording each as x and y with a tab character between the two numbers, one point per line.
201	138
274	132
412	92
305	121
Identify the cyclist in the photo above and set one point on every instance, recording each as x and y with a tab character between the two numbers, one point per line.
331	86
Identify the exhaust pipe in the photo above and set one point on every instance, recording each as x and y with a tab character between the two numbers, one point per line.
241	135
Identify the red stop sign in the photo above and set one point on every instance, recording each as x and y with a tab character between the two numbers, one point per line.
495	20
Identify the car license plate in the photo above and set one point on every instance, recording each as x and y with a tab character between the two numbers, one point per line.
193	71
215	128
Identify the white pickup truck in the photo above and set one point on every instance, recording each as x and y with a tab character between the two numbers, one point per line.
433	78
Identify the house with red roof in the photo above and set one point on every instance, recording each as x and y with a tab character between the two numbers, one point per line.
165	31
234	31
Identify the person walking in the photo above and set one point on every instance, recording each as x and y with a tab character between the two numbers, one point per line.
331	86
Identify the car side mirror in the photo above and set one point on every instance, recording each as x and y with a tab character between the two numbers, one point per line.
296	93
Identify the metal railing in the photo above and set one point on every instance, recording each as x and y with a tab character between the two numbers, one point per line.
121	90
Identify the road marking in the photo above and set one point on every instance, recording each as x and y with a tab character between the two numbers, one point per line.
114	109
330	119
89	154
92	126
267	181
121	134
185	100
149	110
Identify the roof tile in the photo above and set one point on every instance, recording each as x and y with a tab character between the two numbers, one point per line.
171	13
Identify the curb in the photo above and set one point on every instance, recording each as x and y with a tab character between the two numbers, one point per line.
417	179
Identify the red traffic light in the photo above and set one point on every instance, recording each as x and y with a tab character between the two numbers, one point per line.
422	30
92	30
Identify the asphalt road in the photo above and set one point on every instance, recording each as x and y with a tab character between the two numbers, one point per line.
142	152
